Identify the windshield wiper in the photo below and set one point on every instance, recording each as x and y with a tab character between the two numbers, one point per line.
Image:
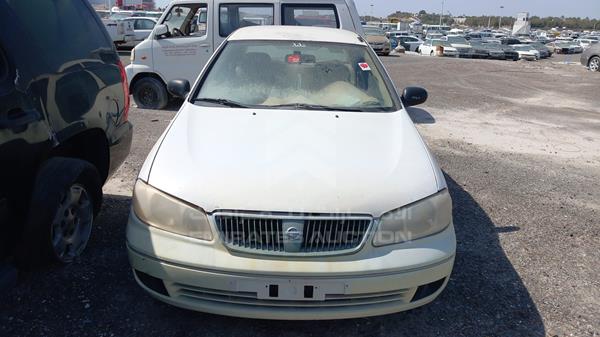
221	101
313	107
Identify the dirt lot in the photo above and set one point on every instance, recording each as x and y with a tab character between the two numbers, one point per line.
519	142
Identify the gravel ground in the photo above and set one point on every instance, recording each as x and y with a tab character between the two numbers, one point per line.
519	144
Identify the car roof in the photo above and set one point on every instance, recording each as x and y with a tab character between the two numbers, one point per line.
296	33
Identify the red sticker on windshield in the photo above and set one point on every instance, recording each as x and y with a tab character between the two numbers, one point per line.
364	66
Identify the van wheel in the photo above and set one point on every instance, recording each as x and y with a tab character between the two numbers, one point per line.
66	197
594	63
150	93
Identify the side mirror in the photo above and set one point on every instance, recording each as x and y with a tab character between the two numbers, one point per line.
179	88
160	31
413	96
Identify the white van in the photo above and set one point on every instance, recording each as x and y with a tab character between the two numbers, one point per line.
189	31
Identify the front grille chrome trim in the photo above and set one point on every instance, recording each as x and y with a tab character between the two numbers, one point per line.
262	233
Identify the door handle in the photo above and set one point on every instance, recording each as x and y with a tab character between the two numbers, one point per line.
205	45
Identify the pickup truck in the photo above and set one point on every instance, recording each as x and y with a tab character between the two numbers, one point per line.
120	31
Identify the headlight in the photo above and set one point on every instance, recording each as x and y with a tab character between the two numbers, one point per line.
420	219
162	211
132	56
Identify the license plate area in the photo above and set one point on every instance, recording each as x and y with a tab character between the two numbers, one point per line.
291	289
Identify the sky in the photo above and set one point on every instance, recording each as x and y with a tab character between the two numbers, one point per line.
580	8
577	8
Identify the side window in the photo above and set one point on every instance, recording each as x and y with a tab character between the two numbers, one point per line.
310	15
143	24
183	21
62	41
234	16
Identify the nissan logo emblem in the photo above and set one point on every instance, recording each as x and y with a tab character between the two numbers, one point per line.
293	234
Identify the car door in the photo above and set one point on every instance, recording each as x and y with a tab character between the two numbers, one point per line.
186	48
426	48
142	28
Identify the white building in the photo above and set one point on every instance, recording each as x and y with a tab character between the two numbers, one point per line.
522	25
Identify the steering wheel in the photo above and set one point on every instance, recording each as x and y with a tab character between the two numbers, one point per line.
177	32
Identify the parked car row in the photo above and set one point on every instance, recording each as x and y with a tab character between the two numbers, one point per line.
459	47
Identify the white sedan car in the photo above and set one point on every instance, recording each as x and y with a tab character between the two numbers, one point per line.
430	47
527	52
292	184
142	27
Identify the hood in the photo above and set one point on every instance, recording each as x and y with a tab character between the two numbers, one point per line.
376	39
293	161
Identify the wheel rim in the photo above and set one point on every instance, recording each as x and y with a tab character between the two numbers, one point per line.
148	96
595	64
72	224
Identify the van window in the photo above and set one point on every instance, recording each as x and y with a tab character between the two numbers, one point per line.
182	21
234	16
143	24
310	15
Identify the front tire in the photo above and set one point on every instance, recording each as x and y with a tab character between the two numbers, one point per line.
67	196
150	93
594	63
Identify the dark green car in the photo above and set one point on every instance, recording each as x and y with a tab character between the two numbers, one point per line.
63	127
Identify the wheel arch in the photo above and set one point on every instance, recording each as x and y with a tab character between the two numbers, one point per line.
140	76
90	145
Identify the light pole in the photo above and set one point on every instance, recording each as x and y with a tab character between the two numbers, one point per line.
500	20
442	14
371	11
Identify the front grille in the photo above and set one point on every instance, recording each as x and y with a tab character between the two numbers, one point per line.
291	235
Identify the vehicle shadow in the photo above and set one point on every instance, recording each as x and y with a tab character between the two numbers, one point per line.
485	295
420	116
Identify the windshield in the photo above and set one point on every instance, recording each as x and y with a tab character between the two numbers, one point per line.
522	48
373	31
287	74
457	40
119	16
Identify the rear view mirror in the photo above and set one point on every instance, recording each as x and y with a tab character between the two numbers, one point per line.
414	96
179	88
160	31
300	58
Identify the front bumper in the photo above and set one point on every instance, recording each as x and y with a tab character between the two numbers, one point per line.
382	49
528	57
205	276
